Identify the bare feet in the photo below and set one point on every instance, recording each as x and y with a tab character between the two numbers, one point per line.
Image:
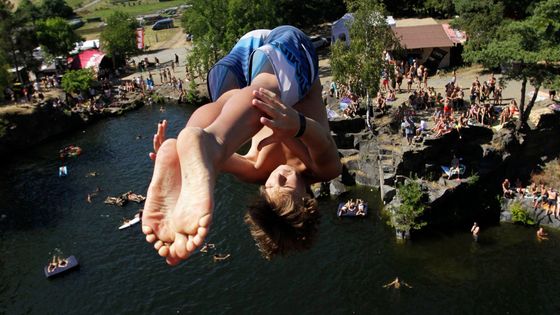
179	204
161	200
198	153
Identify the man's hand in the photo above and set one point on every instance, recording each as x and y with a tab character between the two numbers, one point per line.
282	119
159	137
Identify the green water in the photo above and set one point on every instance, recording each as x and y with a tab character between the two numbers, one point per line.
507	272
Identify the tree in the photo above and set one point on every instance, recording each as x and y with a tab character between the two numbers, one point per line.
57	37
218	25
440	8
207	22
4	75
28	11
75	81
118	38
245	16
310	12
56	8
405	217
480	20
361	63
17	39
528	51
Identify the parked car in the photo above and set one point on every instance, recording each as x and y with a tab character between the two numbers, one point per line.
163	24
76	23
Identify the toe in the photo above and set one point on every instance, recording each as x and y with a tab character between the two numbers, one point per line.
158	245
150	238
190	244
163	251
198	240
202	231
180	244
205	220
147	230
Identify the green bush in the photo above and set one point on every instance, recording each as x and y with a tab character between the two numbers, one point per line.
473	179
158	98
77	80
520	215
412	207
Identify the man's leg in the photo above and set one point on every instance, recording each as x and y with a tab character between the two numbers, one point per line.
201	153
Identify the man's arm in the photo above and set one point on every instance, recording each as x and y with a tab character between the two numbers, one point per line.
242	168
321	156
325	161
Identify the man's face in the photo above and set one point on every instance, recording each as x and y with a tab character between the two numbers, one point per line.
285	179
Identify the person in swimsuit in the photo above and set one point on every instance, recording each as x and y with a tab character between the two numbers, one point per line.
541	234
397	284
265	90
475	230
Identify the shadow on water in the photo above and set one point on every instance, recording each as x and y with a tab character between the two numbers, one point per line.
343	273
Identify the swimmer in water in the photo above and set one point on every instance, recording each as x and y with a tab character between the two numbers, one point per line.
397	284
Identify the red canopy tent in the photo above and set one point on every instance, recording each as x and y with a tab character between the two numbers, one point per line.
91	58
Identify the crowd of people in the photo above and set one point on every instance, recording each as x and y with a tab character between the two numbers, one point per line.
167	77
543	197
451	111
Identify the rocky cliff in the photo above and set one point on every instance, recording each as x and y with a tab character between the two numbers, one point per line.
381	158
19	131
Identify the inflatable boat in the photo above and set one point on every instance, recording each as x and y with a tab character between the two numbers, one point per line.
72	263
351	212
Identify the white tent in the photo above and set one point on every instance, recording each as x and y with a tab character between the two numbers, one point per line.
340	28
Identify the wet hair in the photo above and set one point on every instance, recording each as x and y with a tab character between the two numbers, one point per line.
282	224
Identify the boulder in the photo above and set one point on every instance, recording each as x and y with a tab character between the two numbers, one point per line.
389	192
336	187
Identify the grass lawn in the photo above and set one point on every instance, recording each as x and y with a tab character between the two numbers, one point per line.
93	31
104	8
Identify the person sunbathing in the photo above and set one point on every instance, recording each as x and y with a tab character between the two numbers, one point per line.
130	196
350	205
291	148
220	257
62	263
391	96
505	116
361	208
206	247
53	264
117	201
506	189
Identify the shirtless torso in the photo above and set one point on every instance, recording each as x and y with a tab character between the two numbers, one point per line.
258	162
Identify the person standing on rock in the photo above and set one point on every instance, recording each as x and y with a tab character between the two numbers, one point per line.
475	230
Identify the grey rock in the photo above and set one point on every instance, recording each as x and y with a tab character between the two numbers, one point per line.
389	193
337	188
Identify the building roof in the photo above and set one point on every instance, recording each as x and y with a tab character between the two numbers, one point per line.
423	36
415	22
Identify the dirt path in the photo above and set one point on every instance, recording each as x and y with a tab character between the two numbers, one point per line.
176	41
